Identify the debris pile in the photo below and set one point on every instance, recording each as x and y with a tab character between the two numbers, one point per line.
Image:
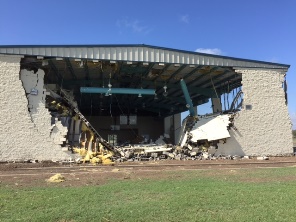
142	152
199	143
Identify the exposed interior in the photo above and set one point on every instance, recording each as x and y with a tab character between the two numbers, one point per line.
126	118
203	82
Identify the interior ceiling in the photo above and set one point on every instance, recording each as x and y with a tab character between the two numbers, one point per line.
203	82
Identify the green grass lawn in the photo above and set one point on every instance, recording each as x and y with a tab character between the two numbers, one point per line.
211	195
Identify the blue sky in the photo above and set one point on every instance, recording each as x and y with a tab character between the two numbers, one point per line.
260	30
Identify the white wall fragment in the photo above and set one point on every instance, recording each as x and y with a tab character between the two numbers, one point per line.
211	128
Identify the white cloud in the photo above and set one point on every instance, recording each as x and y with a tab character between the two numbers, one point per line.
214	51
134	25
184	18
293	119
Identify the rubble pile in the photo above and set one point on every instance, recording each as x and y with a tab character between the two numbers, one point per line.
199	143
203	150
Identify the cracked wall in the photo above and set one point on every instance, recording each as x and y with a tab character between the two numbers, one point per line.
26	135
265	128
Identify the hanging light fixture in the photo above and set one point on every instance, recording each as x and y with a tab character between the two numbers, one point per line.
109	90
81	64
165	93
44	62
140	94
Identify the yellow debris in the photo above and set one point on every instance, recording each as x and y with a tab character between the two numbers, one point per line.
86	158
82	152
107	162
95	160
56	178
104	157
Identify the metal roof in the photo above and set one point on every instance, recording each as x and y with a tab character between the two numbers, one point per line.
136	53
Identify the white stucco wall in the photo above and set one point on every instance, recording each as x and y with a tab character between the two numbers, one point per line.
25	135
266	128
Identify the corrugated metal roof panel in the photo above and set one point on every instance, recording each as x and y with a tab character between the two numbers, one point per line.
143	53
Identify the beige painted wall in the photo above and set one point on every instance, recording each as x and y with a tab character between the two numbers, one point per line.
266	128
25	135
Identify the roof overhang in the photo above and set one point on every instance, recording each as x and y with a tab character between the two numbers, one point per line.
136	53
136	66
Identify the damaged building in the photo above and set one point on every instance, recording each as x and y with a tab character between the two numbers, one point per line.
124	102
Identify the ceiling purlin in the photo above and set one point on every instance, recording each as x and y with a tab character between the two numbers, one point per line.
175	85
176	72
189	85
192	72
85	66
144	85
149	69
198	89
132	82
166	82
56	71
235	84
161	72
70	68
186	76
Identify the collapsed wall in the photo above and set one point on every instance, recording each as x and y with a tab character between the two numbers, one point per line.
263	126
26	131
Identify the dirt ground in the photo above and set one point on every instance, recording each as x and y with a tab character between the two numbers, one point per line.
36	174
